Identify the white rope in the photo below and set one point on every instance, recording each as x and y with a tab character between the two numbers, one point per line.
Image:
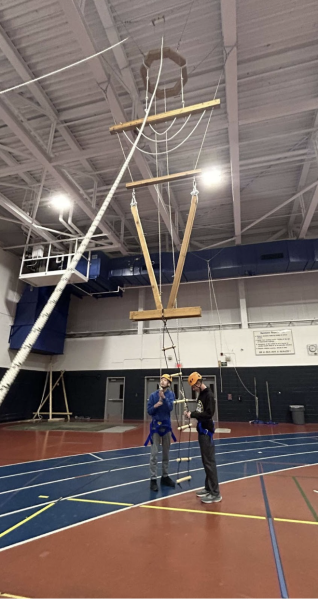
208	123
172	149
221	329
78	62
26	348
165	132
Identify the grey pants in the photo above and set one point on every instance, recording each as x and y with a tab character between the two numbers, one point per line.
208	459
166	441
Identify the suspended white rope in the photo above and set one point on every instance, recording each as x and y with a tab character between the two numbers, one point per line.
172	149
169	139
78	62
208	123
221	328
182	90
163	132
26	348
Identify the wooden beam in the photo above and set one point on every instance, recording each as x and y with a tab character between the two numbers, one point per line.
163	179
183	252
167	313
145	251
167	116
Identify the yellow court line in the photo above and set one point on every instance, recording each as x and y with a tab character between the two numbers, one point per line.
98	501
44	496
3	595
296	521
204	512
27	519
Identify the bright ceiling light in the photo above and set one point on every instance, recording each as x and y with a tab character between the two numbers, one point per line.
60	201
212	177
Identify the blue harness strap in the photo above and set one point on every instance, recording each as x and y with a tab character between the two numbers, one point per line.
203	431
160	427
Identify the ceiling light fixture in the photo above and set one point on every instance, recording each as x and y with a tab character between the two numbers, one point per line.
212	177
60	201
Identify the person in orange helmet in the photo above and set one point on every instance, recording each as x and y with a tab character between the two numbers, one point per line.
204	414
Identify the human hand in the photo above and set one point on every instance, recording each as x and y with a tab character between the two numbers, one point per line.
161	394
158	404
187	413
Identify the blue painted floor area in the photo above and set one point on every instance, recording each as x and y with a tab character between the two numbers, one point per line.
122	477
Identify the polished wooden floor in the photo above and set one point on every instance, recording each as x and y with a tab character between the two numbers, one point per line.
176	547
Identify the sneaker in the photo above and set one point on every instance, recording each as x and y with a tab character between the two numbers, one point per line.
202	492
153	485
209	498
168	482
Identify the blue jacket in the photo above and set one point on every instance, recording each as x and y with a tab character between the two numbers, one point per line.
162	412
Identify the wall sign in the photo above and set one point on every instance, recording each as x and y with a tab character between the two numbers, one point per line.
273	341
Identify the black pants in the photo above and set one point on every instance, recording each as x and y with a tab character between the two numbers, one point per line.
208	459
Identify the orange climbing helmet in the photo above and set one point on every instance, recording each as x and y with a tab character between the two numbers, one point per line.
194	378
167	377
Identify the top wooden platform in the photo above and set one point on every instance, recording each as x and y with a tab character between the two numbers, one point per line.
167	116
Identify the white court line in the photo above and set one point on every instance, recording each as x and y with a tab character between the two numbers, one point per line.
219	466
267	435
38	537
26	487
91	454
280	443
142	454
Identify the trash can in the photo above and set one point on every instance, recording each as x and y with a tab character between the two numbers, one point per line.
298	413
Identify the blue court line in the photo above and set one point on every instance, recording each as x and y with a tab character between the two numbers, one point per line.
116	487
278	562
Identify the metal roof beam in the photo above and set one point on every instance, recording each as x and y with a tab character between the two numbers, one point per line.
97	67
304	174
44	159
17	212
228	14
248	116
309	214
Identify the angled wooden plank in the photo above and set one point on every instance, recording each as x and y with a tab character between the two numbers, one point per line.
163	179
145	251
183	252
166	116
167	313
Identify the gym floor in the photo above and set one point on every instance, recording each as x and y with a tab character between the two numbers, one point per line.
77	517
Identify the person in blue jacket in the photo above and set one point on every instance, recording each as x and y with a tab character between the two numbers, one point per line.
160	405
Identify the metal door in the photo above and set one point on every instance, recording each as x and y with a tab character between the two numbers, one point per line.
115	394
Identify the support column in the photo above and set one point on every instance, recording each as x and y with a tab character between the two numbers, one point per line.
243	309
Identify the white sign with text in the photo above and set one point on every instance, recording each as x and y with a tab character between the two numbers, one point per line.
274	341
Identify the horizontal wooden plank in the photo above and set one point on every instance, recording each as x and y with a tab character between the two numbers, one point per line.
166	116
163	179
169	313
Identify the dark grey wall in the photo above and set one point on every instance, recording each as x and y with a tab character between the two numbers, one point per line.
86	392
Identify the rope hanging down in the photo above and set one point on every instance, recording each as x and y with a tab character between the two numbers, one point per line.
181	400
26	348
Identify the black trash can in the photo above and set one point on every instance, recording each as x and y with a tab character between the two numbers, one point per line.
298	413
